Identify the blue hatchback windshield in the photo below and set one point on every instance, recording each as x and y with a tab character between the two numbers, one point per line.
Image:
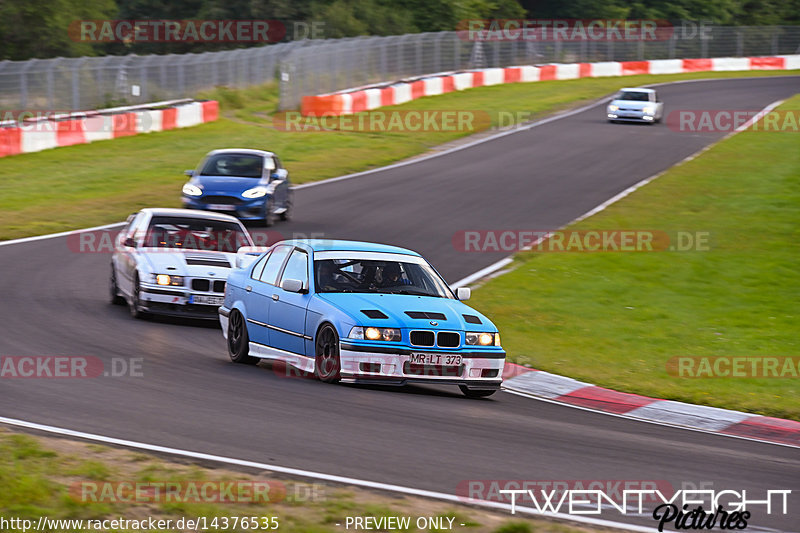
234	165
386	277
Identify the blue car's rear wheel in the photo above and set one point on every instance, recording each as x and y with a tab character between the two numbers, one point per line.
327	365
238	340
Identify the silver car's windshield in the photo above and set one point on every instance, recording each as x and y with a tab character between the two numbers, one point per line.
376	276
195	234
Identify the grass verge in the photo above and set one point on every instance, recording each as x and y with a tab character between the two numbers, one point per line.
616	319
51	477
86	185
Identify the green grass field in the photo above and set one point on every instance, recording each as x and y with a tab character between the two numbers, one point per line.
86	185
615	319
62	479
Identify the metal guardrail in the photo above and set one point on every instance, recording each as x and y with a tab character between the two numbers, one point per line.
329	66
64	84
309	67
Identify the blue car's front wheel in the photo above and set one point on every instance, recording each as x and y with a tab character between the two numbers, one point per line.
327	365
238	340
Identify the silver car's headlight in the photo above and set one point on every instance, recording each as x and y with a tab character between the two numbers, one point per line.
483	339
613	107
255	192
375	334
167	279
192	190
648	110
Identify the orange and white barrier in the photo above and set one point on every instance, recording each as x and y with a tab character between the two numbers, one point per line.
67	129
357	100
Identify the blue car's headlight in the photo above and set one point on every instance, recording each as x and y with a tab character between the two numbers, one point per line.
255	192
483	339
375	334
192	190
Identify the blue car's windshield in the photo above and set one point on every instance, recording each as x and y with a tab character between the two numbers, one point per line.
386	277
234	165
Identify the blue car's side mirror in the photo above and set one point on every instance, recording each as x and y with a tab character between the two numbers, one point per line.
189	173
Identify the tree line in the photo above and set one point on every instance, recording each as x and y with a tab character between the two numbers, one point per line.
40	28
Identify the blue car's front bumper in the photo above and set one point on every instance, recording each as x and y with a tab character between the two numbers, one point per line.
241	208
479	368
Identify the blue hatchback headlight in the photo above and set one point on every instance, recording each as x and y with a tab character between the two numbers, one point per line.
192	190
255	192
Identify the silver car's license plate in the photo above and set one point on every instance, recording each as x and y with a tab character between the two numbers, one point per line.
435	359
206	300
221	207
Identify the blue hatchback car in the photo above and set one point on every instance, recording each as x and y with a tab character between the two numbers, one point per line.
249	184
356	312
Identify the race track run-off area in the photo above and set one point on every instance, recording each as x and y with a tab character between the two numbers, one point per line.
189	396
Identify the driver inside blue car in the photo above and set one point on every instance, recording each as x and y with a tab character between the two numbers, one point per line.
391	276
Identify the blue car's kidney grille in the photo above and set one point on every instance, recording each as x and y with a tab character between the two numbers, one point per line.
422	338
448	339
226	200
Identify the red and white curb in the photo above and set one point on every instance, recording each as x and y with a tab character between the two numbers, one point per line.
361	99
560	389
85	127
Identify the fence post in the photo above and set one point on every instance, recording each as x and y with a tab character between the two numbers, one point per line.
76	83
456	51
50	84
23	83
739	43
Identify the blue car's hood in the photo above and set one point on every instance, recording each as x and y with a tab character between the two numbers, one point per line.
225	184
395	307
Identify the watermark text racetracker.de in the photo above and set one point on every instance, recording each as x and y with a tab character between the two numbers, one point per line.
759	366
69	367
591	240
107	241
247	31
728	120
408	120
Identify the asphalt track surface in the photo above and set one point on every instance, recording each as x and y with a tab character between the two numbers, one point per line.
54	302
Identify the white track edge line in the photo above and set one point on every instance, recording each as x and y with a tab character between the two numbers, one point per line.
513	129
518	128
321	476
614	199
487	270
60	234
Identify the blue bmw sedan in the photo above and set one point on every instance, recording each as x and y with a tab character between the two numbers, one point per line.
249	184
355	312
